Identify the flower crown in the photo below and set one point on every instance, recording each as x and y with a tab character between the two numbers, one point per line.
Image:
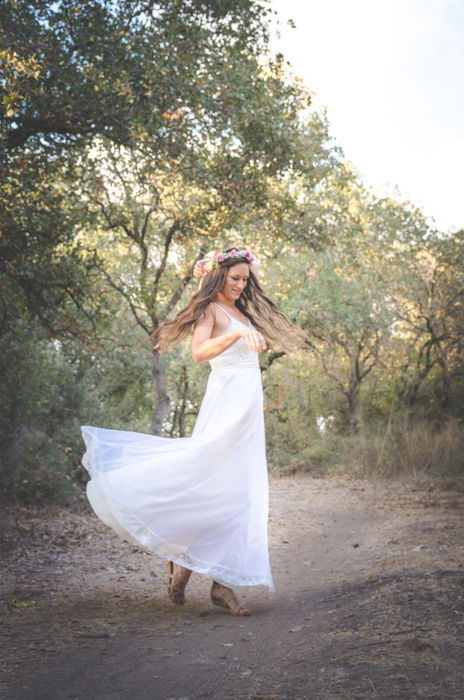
234	254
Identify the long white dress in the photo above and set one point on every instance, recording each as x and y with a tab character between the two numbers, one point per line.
201	501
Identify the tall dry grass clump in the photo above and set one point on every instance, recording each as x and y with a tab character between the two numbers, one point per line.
404	449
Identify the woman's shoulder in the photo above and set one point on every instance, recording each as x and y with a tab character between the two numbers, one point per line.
208	316
210	310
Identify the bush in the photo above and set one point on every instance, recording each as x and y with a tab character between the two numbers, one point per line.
45	468
41	396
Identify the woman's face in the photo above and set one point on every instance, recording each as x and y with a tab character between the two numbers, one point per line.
236	281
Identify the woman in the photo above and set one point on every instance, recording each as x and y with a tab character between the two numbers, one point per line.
202	502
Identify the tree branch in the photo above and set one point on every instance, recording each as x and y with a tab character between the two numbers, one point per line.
124	294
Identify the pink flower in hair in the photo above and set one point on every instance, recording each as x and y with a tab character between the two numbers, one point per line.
220	258
249	256
233	253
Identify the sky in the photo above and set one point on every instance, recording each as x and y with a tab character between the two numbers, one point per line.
391	76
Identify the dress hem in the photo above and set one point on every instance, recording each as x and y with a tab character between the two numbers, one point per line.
139	534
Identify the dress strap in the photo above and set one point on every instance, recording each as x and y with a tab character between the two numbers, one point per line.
232	318
226	312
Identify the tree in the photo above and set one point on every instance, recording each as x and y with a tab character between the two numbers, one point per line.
348	325
428	306
74	70
43	272
337	287
153	73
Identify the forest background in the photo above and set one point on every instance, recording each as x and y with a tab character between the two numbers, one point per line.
136	137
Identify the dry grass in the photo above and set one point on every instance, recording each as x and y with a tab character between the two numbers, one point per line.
404	450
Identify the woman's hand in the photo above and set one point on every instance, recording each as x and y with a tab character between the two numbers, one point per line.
199	269
254	340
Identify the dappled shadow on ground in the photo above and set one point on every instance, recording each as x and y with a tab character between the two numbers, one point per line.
396	636
86	616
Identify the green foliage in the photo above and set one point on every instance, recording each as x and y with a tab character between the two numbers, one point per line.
40	398
294	413
122	70
52	387
186	385
43	270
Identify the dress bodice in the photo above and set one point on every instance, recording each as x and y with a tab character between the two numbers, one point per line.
237	354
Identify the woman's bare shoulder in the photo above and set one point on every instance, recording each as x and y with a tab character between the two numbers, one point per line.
208	316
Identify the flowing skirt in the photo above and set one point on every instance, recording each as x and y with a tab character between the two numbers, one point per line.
200	501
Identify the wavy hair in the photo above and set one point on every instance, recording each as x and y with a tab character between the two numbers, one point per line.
253	303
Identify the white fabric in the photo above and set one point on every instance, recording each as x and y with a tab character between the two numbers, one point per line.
200	501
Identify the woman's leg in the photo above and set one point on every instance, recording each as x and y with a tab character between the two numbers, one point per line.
178	579
225	598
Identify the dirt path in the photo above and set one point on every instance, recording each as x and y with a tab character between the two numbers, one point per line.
369	604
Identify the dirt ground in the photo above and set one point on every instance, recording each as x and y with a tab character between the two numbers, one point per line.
369	604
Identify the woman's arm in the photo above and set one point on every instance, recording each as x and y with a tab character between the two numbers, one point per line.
205	347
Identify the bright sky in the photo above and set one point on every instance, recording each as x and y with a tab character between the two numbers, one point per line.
391	74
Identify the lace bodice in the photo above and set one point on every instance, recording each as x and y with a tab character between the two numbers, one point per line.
236	354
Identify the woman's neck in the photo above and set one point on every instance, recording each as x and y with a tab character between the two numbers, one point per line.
221	299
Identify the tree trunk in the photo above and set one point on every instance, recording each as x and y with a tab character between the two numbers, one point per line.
161	393
445	399
184	389
354	404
